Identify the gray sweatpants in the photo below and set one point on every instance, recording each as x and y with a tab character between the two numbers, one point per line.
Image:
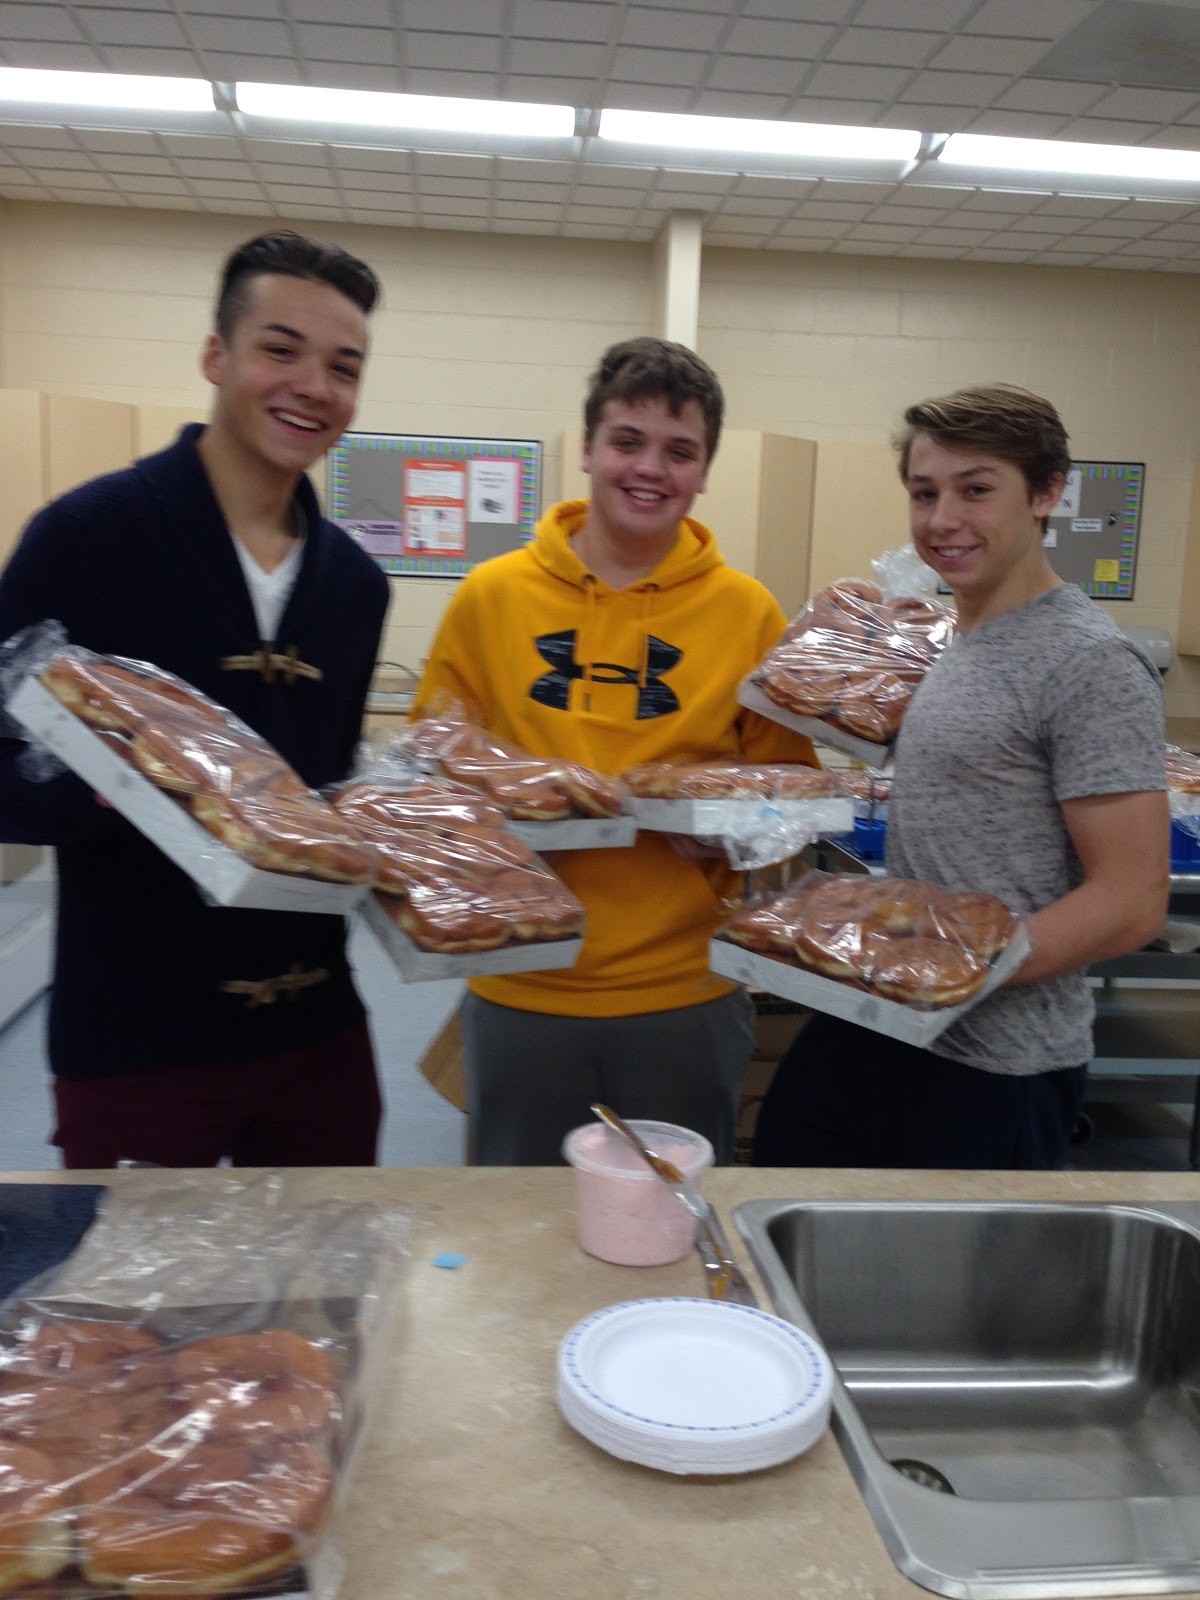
531	1078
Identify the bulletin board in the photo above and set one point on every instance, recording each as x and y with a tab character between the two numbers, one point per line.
1092	533
430	507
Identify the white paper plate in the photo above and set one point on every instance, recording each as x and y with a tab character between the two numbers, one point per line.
694	1385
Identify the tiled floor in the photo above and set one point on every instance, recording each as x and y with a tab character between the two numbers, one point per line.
422	1129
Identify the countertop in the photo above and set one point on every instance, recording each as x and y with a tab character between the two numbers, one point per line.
471	1487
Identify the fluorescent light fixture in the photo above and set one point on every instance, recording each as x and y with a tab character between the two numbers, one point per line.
121	91
1054	155
435	113
752	136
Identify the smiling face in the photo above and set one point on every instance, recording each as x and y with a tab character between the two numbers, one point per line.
976	522
287	376
646	467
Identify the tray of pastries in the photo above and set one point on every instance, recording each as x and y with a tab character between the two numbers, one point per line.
894	954
551	803
848	665
457	894
710	797
203	787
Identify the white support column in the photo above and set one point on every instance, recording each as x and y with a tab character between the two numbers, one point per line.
677	277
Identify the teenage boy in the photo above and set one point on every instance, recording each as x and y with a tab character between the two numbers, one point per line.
618	636
1030	765
182	1033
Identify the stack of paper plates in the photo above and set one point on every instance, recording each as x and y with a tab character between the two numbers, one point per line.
694	1385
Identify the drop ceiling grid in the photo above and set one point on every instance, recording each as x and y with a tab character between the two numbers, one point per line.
934	64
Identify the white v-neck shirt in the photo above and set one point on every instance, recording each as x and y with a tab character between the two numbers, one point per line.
270	591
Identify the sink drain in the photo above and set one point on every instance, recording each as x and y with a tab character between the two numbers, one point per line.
921	1472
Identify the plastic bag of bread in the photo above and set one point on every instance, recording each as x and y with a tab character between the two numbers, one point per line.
757	813
224	775
1183	788
451	877
849	662
182	1400
896	939
526	787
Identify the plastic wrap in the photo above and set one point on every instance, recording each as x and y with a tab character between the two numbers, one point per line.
224	775
851	660
758	814
1183	789
526	787
450	876
898	938
182	1400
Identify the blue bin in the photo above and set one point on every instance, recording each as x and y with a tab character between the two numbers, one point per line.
1185	850
867	840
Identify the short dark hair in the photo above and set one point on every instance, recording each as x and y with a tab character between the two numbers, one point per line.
292	256
1001	420
644	368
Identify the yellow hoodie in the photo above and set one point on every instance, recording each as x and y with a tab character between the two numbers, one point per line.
544	652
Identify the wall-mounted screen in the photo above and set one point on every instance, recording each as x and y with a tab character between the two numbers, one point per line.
429	507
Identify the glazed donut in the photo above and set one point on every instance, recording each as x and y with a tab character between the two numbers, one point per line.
430	800
445	925
979	922
898	907
99	1355
926	972
811	692
872	706
799	783
107	695
299	835
203	1519
833	946
921	616
591	793
273	1385
34	1517
763	928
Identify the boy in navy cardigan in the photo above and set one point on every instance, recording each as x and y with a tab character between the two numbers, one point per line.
172	1037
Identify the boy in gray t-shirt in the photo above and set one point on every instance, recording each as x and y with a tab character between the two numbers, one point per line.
1029	765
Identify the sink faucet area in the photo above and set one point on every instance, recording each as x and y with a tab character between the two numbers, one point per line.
1018	1390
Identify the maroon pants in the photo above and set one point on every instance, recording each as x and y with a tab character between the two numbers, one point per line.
315	1106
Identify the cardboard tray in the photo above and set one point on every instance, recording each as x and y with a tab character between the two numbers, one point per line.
575	833
919	1027
416	965
226	877
875	756
715	817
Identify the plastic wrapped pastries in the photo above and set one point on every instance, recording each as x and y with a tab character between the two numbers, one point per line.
450	876
852	659
198	1446
730	780
898	938
525	787
229	778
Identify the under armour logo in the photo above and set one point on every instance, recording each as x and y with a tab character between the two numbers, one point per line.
557	650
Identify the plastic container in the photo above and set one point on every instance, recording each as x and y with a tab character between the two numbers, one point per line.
1185	850
625	1213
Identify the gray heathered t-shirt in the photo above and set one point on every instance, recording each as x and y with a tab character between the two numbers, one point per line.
1046	703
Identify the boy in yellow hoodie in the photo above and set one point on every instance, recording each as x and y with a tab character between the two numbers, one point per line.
618	636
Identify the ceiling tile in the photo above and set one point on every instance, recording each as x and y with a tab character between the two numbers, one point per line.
658	66
145	165
1028	19
328	42
722	103
121	143
548	91
456	16
1063	99
974	53
1016	124
52	57
456	51
562	19
554	56
136	183
153	62
147	28
229	68
947	14
668	30
888	47
756	75
47	23
646	97
364	13
248	35
235	10
1145	105
856	83
432	80
284	172
954	88
796	41
1094	130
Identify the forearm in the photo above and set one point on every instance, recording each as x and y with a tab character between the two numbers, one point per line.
1091	923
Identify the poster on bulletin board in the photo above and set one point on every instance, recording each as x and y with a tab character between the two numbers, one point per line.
430	507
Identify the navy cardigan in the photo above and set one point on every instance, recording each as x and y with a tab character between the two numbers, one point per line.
140	563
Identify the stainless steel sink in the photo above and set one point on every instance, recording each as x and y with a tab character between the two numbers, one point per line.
1019	1385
